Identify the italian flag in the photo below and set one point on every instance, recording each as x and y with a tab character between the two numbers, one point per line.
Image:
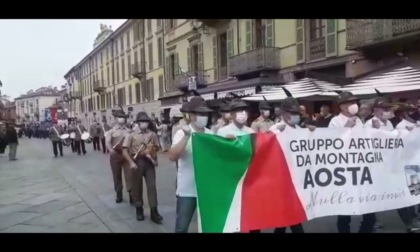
244	184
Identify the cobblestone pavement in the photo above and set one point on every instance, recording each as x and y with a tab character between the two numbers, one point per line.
40	193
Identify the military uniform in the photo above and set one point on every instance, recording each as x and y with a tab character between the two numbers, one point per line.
94	133
133	143
262	124
103	128
55	133
114	139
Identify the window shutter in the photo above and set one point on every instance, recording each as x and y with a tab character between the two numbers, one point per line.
189	59
229	43
248	35
167	71
269	32
176	70
331	38
200	60
300	40
152	90
215	66
161	91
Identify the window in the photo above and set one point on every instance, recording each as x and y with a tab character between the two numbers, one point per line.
138	93
161	86
130	95
149	26
160	51
172	67
194	58
128	39
316	29
158	23
150	56
122	69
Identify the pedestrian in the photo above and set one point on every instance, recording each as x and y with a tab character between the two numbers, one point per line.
181	151
139	150
12	141
114	141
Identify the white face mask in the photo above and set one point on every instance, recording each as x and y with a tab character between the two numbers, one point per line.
143	125
388	115
201	122
266	113
353	109
294	119
241	117
121	120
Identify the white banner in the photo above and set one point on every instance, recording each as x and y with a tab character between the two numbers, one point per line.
353	171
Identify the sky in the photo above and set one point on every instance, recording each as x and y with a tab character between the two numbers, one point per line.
37	53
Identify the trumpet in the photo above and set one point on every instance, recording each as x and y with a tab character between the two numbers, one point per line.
150	147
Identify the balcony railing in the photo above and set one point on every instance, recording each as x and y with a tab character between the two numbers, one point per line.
183	81
138	69
365	32
264	58
98	86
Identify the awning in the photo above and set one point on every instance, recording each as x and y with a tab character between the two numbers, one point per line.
239	92
307	87
397	80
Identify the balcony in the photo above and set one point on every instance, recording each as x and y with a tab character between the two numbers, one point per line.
74	95
138	69
260	59
182	82
363	33
213	22
98	86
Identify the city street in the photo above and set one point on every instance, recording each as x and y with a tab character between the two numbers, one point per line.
40	193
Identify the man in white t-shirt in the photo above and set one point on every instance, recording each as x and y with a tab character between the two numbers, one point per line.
181	151
348	119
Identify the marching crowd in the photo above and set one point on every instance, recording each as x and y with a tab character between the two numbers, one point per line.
133	146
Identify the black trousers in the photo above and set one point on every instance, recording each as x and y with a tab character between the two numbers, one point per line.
296	229
96	145
60	148
73	145
367	225
105	150
80	147
407	214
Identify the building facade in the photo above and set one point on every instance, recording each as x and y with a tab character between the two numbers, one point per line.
152	64
31	107
125	68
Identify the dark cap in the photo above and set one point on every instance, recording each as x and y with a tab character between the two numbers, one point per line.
237	104
184	108
345	97
382	102
198	105
142	117
264	105
290	104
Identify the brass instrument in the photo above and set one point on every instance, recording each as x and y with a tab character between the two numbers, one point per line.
149	147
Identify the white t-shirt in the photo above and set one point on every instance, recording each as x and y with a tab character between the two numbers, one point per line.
383	126
275	127
231	129
341	120
404	123
185	176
